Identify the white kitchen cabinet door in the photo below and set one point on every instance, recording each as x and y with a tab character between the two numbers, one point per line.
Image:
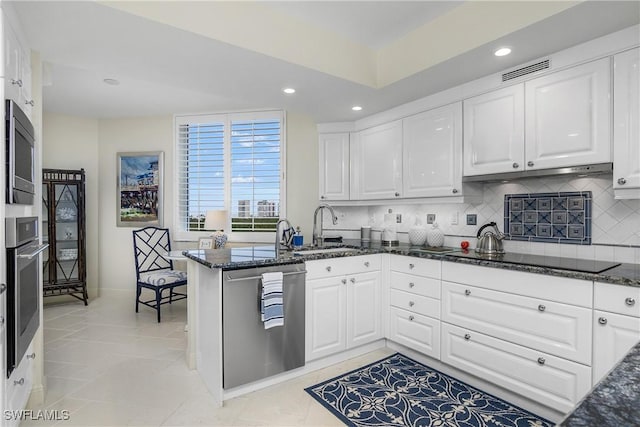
567	116
12	67
549	380
334	166
613	337
325	317
419	333
432	153
494	132
364	296
626	124
559	329
376	162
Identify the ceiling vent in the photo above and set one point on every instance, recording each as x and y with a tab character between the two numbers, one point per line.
529	69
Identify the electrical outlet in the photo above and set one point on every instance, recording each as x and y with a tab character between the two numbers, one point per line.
398	218
431	218
472	219
454	218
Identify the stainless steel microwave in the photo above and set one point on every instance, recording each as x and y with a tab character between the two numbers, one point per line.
19	155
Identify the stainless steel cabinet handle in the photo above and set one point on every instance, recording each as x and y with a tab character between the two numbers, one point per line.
541	360
18	382
3	288
411	285
541	307
328	268
467	292
602	320
352	280
515	165
32	103
529	163
622	181
1	320
31	356
367	264
411	303
411	318
16	82
397	194
411	266
630	302
467	337
454	191
344	281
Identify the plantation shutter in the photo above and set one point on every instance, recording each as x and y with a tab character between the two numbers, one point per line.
200	169
255	174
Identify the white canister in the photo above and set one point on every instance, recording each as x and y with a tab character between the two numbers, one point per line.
435	236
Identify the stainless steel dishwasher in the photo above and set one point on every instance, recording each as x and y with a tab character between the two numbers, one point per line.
250	352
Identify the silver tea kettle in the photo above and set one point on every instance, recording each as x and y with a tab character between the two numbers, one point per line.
490	243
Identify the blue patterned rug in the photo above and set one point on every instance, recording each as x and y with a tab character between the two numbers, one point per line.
402	392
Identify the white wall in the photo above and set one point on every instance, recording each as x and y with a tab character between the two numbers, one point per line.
115	249
72	143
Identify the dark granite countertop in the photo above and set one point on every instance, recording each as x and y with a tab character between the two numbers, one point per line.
264	255
615	400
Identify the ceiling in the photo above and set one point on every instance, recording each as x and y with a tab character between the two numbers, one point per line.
206	56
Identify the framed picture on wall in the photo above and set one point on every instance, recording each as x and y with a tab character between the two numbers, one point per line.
139	189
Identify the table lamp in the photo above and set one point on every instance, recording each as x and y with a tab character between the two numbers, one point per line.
216	221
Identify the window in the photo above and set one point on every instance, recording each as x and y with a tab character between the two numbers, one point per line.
231	162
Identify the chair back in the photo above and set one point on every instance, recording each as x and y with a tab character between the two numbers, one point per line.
150	244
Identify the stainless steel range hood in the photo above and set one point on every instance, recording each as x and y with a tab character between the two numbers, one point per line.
600	168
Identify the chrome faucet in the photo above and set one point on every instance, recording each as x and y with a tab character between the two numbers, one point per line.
318	237
279	237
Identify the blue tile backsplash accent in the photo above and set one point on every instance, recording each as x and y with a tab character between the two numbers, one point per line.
549	217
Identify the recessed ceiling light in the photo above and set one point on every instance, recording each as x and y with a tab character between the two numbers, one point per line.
502	51
289	90
112	82
356	108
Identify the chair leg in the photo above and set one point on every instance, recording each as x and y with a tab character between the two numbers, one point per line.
170	295
138	292
158	298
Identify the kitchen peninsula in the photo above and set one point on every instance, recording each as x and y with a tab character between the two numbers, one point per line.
592	279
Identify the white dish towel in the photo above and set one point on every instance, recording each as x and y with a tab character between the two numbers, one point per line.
271	304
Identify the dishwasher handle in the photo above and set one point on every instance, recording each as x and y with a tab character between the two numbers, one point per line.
232	279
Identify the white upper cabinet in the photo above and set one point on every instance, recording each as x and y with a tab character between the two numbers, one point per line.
17	71
494	132
376	161
334	166
626	124
567	116
432	153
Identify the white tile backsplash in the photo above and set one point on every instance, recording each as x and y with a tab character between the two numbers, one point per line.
615	224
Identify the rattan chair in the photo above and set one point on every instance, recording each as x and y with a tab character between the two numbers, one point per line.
153	270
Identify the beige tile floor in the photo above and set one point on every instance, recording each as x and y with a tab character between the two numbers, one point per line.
108	366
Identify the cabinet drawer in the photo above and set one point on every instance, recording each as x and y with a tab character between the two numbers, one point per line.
417	266
549	380
559	329
415	303
617	299
425	286
419	333
341	266
20	383
552	288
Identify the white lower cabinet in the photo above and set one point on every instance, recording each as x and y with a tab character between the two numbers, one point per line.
342	311
560	329
616	325
18	387
414	299
549	380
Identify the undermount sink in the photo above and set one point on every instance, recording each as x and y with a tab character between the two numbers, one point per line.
323	251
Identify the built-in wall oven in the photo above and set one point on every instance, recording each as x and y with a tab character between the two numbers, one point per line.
23	288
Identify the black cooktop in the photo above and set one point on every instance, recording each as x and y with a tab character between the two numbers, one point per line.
572	264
